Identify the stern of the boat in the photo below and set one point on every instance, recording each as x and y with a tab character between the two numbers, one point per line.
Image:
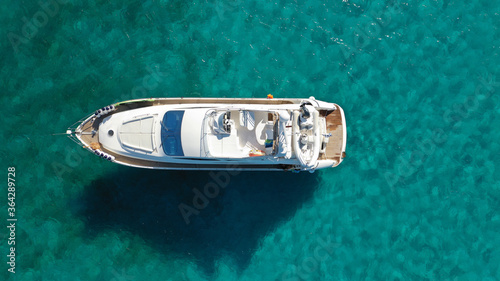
336	128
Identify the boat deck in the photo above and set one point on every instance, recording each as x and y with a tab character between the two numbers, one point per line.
334	123
89	138
334	126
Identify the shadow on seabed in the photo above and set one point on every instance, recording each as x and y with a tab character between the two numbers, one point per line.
146	203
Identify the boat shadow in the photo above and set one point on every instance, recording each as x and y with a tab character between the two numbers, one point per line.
146	203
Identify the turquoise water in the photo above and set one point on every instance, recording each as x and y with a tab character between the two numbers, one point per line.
417	198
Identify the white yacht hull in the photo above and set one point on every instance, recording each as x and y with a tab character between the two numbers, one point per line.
217	134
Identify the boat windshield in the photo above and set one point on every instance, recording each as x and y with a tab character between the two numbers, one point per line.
171	133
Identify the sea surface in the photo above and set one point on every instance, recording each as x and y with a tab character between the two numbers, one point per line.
416	198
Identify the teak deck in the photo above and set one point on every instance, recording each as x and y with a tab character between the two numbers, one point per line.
334	126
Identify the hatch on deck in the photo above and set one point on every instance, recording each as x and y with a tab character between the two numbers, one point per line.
138	133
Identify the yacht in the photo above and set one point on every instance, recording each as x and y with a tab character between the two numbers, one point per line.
216	134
